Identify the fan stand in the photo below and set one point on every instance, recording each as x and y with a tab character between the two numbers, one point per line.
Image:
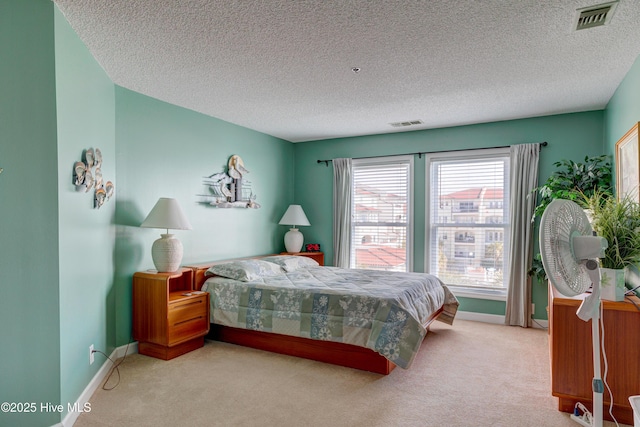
590	310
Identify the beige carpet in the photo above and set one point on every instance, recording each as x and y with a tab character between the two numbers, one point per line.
468	374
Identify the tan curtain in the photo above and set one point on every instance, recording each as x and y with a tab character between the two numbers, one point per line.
524	178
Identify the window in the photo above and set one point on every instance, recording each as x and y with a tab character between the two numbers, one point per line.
382	220
468	218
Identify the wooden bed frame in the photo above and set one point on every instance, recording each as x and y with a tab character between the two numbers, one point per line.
336	353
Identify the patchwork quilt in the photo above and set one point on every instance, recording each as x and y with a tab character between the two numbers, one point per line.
381	310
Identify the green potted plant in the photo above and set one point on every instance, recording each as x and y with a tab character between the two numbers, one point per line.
537	269
618	221
576	181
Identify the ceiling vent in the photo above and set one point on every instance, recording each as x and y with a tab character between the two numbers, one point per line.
595	16
405	124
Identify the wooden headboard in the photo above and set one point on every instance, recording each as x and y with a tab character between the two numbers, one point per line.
198	274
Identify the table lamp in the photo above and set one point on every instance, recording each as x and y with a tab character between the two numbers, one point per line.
293	239
167	250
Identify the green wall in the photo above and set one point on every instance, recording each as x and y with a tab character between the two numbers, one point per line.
86	119
623	110
165	151
570	136
29	270
69	265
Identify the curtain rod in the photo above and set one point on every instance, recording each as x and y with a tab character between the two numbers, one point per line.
420	153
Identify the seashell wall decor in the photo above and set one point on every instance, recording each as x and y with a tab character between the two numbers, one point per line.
230	188
87	175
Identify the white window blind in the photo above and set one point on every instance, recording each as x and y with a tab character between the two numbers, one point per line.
381	225
468	208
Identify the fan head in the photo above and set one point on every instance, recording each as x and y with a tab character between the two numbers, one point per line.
566	239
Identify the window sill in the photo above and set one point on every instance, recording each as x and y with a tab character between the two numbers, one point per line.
467	292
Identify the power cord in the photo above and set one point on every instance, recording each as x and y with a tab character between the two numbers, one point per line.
606	364
539	324
632	291
628	296
114	367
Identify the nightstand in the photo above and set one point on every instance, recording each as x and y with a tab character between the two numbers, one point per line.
572	353
169	318
318	256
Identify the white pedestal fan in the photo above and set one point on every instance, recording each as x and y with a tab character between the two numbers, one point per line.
569	254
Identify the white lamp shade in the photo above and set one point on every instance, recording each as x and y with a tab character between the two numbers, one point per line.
167	251
294	239
168	214
294	216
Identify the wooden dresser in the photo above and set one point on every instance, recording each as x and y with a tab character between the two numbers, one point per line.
170	318
572	360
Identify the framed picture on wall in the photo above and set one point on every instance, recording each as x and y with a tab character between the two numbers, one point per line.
628	165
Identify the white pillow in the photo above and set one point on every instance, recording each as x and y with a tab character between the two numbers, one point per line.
291	262
245	270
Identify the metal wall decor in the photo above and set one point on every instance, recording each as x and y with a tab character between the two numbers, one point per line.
87	175
230	188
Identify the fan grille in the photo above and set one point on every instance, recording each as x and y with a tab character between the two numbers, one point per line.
561	221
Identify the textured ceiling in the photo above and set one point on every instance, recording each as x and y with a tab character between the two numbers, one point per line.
284	67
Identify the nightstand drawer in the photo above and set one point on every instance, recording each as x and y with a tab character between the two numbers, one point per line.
195	325
187	318
182	310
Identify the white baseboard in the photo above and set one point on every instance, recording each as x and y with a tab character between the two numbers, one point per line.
480	317
95	382
497	319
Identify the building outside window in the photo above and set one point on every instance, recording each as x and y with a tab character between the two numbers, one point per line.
468	219
382	220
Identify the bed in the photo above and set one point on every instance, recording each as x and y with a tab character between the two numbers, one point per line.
364	319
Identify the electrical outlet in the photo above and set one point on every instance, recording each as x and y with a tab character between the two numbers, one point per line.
91	354
533	309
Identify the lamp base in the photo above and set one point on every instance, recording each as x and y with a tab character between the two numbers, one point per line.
293	240
167	253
